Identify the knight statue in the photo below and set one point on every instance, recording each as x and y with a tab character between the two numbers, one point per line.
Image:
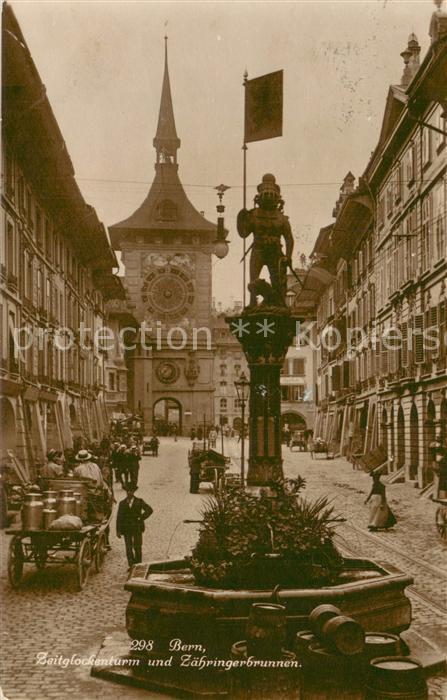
268	225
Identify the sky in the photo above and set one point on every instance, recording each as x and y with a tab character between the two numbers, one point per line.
102	64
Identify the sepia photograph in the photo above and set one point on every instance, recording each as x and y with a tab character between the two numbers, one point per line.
223	350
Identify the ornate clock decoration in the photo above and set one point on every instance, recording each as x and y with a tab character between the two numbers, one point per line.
168	293
167	372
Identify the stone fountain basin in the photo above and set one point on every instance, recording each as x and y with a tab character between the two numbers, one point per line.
166	604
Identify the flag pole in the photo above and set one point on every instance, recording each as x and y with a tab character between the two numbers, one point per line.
244	200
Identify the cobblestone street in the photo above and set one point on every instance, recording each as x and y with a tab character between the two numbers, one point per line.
48	615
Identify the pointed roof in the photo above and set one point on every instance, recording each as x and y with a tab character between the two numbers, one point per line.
166	207
166	139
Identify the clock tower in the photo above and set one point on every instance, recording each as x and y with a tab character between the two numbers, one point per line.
166	247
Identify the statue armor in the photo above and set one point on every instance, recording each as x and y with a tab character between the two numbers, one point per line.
269	226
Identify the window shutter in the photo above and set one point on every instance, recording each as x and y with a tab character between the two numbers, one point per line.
335	377
346	374
419	350
442	316
404	344
384	369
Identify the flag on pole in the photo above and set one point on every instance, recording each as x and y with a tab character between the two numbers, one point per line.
263	107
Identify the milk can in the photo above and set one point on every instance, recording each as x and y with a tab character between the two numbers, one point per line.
32	510
49	500
78	498
66	503
49	514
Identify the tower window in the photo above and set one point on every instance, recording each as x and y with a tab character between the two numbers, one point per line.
167	211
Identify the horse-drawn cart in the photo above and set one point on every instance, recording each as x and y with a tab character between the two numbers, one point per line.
209	466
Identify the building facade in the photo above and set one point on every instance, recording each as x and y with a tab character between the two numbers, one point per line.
166	247
56	271
381	303
229	365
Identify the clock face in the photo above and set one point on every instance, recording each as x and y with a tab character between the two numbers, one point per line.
168	372
168	293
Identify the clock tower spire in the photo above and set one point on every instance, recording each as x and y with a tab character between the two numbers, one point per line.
166	141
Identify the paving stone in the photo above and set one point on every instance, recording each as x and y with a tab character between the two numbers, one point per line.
47	614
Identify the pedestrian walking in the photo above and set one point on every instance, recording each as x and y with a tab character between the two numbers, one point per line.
132	512
380	514
133	464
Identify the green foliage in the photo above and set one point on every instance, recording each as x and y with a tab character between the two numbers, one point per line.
278	538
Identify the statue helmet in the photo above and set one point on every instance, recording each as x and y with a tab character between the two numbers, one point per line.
268	185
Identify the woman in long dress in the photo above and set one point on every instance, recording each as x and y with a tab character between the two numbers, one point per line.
380	514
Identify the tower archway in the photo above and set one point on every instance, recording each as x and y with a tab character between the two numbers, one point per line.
167	414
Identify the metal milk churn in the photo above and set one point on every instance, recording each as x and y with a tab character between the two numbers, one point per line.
48	516
32	510
78	498
66	503
50	499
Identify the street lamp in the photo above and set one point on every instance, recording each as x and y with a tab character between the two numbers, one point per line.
243	390
220	248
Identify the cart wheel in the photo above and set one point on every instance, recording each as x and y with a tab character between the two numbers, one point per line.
40	554
100	552
441	521
84	561
15	562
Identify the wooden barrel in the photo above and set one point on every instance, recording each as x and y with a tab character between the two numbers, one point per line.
343	634
274	683
397	677
302	640
320	615
266	630
380	644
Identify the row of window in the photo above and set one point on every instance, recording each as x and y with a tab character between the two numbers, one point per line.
416	341
399	186
224	404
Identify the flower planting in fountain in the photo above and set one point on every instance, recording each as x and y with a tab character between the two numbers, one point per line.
276	538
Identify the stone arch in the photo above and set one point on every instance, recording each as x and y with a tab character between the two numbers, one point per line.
429	436
384	428
443	419
414	441
400	438
8	429
167	412
295	420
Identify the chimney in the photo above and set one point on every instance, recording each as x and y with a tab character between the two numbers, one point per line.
411	60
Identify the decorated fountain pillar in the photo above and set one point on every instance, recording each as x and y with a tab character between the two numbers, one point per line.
265	337
266	328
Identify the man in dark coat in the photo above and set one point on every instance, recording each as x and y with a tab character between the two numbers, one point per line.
132	512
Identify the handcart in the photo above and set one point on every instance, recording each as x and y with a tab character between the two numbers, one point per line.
321	448
84	548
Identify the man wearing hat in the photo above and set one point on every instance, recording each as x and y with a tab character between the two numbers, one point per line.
132	512
87	469
54	467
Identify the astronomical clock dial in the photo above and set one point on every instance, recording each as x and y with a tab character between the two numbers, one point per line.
168	293
167	372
